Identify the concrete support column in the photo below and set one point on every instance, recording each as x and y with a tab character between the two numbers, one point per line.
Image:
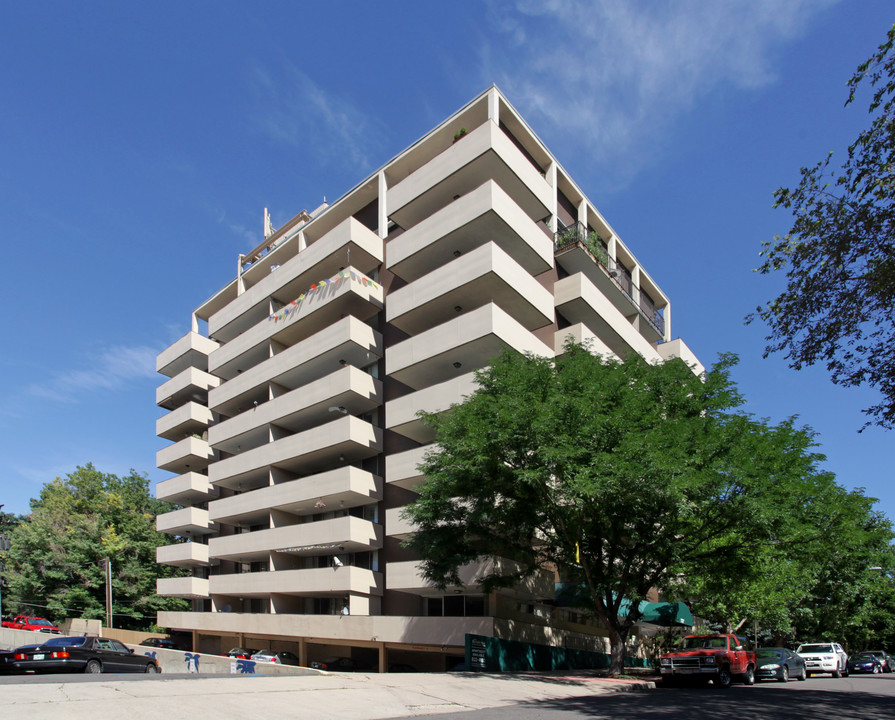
383	657
383	208
494	106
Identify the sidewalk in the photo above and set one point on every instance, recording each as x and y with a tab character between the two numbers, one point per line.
348	696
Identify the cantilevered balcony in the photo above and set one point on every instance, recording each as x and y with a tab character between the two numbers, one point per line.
184	421
189	554
347	391
192	350
344	487
347	341
183	587
402	469
324	537
189	385
577	251
344	441
316	582
581	334
188	489
579	301
318	261
408	577
485	153
484	275
185	522
191	453
486	214
349	293
678	349
396	526
464	343
401	413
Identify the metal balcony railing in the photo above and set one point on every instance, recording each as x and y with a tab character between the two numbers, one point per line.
567	236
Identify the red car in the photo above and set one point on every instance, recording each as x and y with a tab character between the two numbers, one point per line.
35	624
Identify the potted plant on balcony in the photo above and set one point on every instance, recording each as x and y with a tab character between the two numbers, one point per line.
459	134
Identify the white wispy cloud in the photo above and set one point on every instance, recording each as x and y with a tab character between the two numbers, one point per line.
112	369
300	112
614	74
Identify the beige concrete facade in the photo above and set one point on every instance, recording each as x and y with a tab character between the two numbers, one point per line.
292	425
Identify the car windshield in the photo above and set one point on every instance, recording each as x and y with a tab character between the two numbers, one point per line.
693	643
768	653
40	621
815	649
65	641
865	656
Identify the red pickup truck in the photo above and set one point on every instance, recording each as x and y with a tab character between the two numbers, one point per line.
35	624
719	658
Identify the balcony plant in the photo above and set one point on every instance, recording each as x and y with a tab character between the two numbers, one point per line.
459	134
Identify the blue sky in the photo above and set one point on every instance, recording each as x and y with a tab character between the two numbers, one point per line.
139	144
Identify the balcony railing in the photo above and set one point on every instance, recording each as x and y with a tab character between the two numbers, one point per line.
567	236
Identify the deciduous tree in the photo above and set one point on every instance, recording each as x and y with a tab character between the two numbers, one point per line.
620	475
839	255
55	562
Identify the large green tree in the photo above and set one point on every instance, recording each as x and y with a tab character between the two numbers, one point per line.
821	575
621	475
839	255
55	564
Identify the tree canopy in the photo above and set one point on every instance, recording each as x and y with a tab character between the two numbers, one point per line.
55	564
839	255
622	476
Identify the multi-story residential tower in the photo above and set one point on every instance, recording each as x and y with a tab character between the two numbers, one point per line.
294	426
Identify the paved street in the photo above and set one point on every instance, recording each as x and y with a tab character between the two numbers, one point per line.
443	696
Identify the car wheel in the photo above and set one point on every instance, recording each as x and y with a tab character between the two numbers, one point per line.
723	678
93	667
877	669
152	668
837	673
845	670
784	676
804	675
749	676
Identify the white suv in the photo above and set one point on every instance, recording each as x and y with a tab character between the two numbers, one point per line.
824	658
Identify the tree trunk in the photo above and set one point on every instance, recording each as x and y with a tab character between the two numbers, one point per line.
618	640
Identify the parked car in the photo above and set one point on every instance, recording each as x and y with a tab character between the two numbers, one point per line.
35	624
887	660
87	654
283	657
164	643
865	662
338	664
700	658
777	663
240	653
824	658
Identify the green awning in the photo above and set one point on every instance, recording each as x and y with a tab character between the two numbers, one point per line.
665	614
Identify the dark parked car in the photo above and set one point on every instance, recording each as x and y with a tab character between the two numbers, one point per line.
282	657
78	654
887	660
240	653
164	643
777	663
339	664
865	662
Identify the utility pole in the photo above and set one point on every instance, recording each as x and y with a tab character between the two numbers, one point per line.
107	564
4	546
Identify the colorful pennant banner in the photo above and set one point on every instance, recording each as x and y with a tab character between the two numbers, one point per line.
337	278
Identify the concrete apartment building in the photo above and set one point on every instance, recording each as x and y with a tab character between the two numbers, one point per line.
293	428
